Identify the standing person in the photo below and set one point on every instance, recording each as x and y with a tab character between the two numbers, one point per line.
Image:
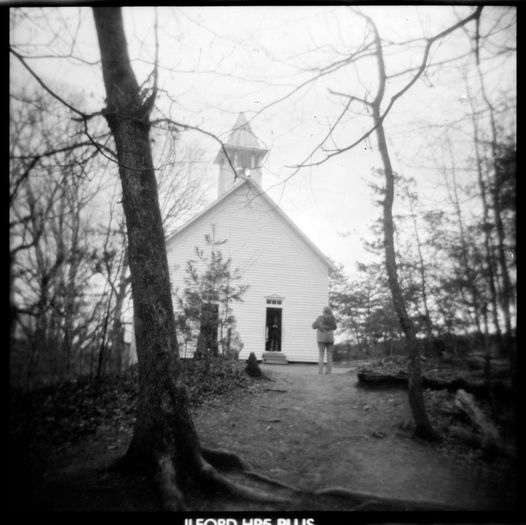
274	337
326	324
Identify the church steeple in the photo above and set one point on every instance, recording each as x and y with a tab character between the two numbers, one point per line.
245	152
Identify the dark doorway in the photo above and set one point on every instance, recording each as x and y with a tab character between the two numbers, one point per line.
273	330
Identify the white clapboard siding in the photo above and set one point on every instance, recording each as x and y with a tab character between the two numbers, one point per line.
274	259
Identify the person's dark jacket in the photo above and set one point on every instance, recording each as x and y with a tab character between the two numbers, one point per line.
326	325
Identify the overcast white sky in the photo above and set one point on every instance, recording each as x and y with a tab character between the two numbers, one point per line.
219	61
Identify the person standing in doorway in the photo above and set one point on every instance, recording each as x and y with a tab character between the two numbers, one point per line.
325	325
275	337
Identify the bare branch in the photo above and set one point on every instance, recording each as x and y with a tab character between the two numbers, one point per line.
327	70
331	129
350	97
45	86
177	125
474	16
381	68
63	56
429	65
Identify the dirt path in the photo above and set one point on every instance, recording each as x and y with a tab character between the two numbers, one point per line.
314	432
305	430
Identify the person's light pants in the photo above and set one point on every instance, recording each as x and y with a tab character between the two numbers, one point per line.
322	347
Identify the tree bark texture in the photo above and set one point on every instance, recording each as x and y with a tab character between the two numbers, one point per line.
164	426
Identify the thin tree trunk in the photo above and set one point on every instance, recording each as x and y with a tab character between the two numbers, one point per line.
102	358
488	251
117	348
464	259
422	272
70	287
423	427
507	293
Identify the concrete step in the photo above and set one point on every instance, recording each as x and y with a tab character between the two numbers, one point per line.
274	358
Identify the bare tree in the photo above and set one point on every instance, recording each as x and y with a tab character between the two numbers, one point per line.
378	108
507	296
376	104
165	442
179	186
49	246
486	227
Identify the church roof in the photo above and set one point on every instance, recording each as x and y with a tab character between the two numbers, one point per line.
242	137
258	191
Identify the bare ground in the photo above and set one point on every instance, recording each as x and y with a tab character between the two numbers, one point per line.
316	431
306	431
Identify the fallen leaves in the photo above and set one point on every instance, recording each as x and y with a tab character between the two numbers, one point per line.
65	413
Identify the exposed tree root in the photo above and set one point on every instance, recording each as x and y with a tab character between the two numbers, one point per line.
213	480
365	499
224	459
271	481
210	480
363	506
171	497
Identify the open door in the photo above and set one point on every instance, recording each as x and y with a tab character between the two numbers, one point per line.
273	330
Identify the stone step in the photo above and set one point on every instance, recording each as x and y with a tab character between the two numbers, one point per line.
274	358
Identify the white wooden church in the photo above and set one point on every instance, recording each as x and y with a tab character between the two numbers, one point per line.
288	276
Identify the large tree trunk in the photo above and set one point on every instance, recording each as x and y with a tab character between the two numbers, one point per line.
165	442
163	427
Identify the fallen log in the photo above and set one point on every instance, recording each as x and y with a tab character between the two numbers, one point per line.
367	377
